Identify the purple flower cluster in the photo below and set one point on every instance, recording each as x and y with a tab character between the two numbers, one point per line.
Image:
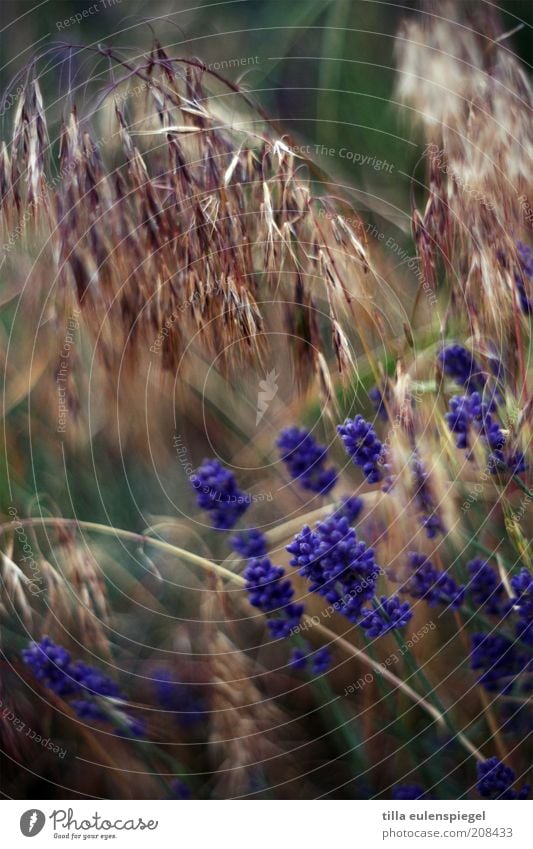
305	459
343	570
459	363
379	395
219	495
493	435
502	662
495	781
363	446
179	790
338	565
431	585
459	419
272	592
321	660
53	666
477	410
